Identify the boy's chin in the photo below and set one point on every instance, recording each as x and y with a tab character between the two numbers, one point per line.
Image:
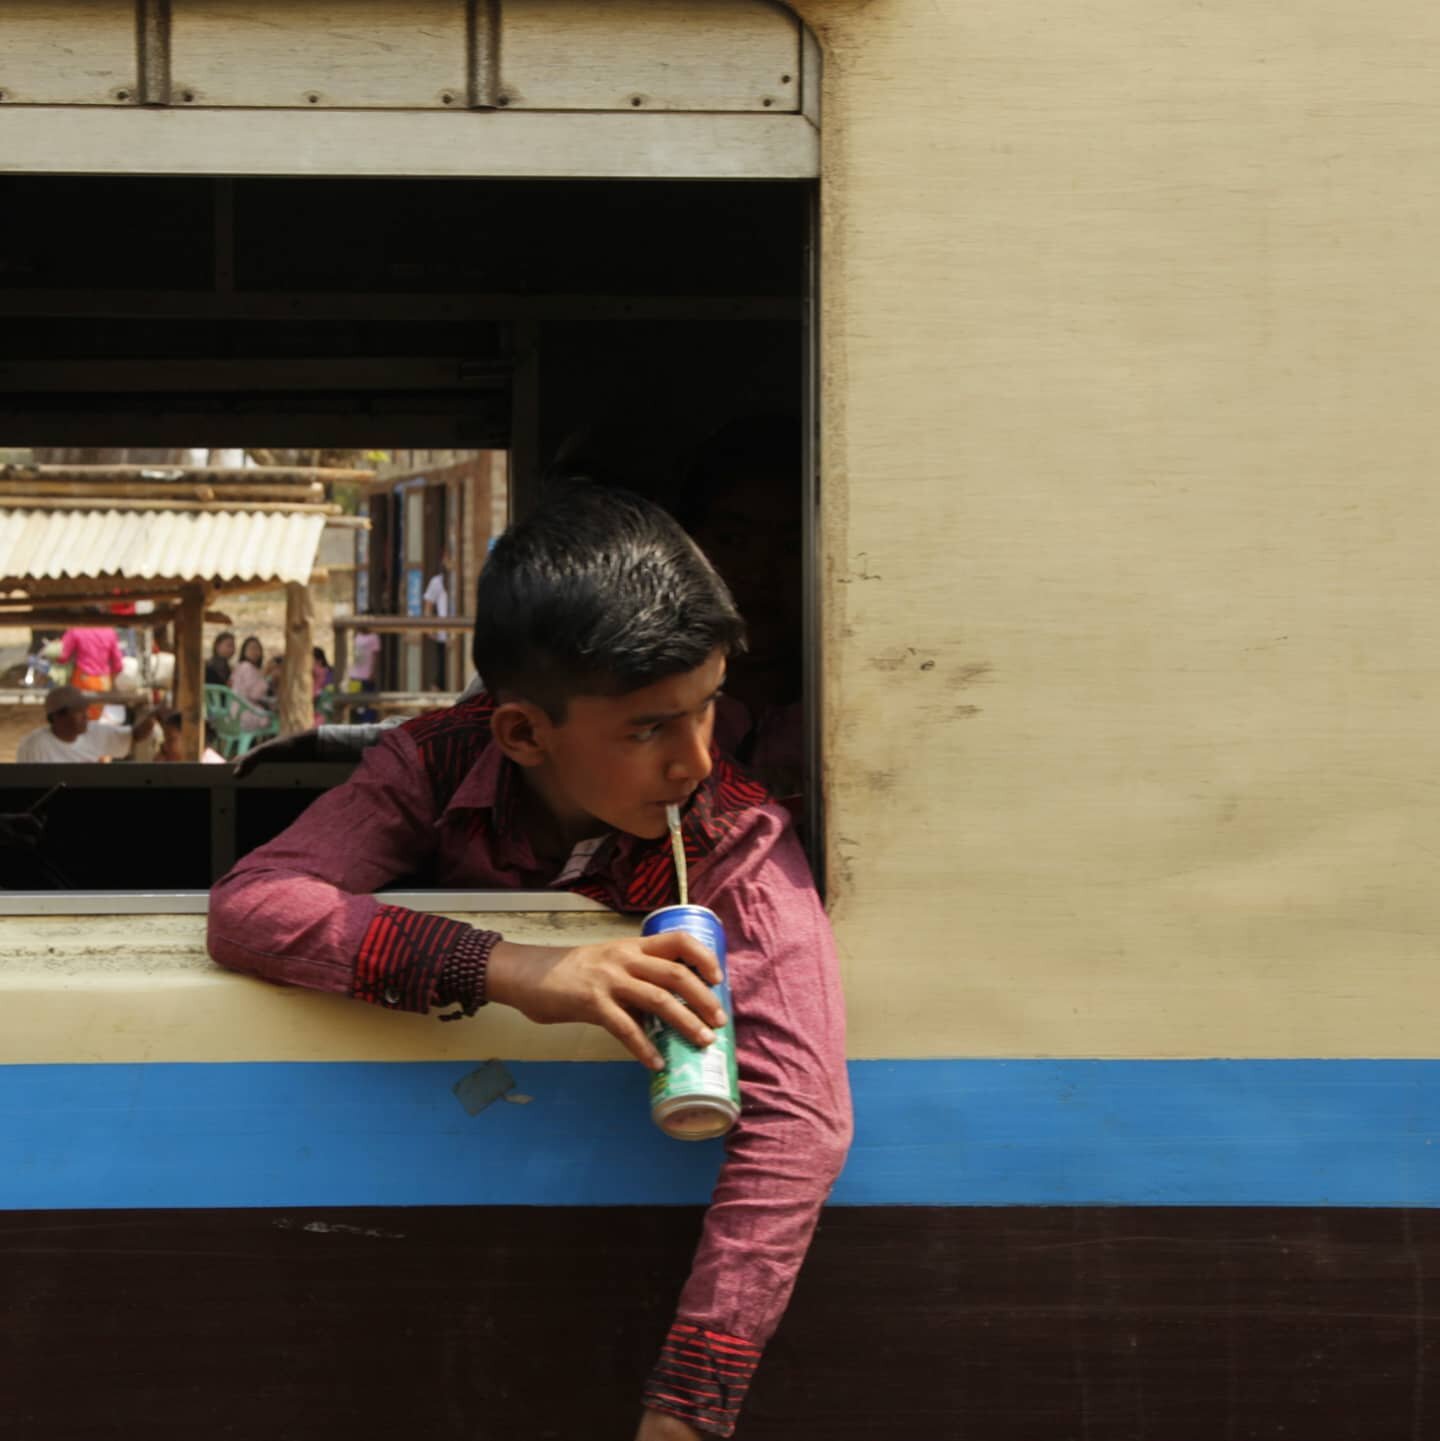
646	826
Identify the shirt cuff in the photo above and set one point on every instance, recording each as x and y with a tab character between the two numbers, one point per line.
401	958
702	1377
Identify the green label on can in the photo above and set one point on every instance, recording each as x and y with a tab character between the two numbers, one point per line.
692	1070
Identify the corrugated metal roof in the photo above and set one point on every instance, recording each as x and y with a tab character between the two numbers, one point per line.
158	544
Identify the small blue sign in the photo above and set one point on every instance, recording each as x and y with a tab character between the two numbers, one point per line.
414	592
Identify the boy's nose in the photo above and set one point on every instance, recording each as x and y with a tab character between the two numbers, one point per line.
692	761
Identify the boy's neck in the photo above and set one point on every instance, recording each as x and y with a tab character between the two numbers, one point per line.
552	833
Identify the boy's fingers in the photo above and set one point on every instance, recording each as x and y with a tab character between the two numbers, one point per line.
627	1031
681	981
672	1010
682	946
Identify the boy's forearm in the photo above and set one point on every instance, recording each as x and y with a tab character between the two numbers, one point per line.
511	963
793	1134
302	910
782	1163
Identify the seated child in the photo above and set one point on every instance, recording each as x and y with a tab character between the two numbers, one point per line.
603	634
172	723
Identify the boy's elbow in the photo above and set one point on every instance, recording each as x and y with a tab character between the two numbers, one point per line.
829	1129
220	925
834	1147
230	929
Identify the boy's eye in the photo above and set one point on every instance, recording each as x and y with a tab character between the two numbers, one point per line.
650	733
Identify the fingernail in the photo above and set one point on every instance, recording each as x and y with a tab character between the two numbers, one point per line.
718	1018
655	1063
706	1036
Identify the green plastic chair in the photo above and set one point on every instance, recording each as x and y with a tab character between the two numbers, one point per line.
223	709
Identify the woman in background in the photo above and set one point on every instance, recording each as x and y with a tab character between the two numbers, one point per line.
93	653
322	684
248	681
363	670
217	668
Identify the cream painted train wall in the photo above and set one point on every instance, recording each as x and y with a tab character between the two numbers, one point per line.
1131	519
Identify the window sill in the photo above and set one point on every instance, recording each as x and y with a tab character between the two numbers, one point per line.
196	903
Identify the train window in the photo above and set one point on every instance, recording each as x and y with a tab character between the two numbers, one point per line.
653	333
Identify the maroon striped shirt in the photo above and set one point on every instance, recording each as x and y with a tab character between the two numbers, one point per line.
435	799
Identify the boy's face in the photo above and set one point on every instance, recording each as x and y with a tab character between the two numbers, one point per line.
616	762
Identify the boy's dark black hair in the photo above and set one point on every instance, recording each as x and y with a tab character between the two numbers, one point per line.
598	592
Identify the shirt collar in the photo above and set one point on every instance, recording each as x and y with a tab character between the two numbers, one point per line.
484	785
490	787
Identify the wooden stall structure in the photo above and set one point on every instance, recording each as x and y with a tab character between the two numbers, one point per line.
405	627
431	507
76	537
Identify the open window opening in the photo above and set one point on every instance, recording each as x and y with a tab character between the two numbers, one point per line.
645	333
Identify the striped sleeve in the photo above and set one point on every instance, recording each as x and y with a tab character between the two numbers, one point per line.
702	1377
401	957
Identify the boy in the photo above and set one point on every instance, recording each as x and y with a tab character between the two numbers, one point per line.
603	635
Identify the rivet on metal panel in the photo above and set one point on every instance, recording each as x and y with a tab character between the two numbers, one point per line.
447	97
785	79
122	94
313	96
637	100
767	101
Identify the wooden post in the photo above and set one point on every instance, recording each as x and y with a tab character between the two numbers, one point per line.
297	691
190	670
341	657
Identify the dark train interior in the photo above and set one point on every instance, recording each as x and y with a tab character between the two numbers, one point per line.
654	334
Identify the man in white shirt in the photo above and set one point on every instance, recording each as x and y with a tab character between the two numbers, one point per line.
436	601
71	735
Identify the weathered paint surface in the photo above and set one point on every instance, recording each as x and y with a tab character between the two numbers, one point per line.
1129	454
446	1322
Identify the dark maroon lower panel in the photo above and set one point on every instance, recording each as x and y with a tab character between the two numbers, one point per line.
516	1324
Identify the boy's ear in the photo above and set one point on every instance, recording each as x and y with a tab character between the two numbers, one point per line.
521	729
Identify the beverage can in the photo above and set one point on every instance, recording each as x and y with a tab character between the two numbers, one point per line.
696	1097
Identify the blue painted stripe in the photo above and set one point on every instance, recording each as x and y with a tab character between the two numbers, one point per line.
961	1133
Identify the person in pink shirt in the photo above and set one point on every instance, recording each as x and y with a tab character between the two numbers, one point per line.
604	635
364	669
94	655
248	680
367	652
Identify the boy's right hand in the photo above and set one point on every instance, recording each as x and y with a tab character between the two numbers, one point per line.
612	984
